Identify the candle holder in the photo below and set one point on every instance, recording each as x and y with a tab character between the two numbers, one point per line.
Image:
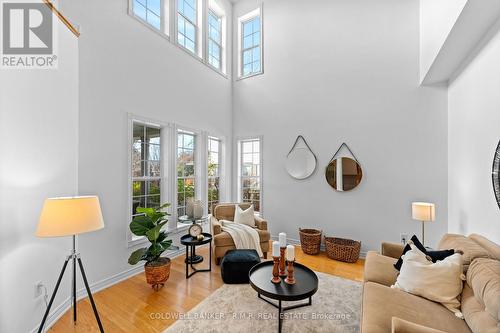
290	279
282	272
276	278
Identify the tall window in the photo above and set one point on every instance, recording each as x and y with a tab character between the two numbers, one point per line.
250	170
146	166
214	40
214	151
149	11
186	24
186	175
250	46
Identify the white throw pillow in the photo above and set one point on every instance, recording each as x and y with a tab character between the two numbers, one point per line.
244	216
439	282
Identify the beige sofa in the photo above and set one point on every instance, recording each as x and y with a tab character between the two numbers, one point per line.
223	241
391	310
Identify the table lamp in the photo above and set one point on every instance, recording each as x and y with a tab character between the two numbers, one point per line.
424	212
70	216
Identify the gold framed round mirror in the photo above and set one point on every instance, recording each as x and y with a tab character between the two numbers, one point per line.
343	174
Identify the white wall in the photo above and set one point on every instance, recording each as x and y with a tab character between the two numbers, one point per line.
437	18
338	71
127	68
39	151
474	131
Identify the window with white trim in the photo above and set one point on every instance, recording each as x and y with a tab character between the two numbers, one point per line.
250	172
213	168
186	169
152	12
214	40
187	24
146	166
250	44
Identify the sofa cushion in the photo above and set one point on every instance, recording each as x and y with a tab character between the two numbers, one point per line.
491	247
381	303
470	248
434	255
380	269
478	319
404	326
439	282
483	277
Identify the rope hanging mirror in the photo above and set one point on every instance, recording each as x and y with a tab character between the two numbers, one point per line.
343	173
300	160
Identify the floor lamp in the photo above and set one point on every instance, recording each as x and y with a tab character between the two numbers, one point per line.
424	212
70	216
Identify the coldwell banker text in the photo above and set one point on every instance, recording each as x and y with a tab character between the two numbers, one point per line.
27	35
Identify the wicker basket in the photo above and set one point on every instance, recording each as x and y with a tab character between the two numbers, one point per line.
157	273
310	240
340	249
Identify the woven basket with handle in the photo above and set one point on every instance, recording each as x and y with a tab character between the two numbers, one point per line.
340	249
310	240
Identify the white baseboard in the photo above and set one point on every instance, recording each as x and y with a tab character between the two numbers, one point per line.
362	254
61	309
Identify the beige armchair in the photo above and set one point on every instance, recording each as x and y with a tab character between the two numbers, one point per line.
223	241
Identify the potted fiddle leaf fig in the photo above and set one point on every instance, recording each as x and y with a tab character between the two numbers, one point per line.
149	225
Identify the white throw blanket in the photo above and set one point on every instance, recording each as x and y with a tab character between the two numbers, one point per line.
244	236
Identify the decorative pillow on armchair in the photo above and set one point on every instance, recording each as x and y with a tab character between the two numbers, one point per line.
246	216
439	282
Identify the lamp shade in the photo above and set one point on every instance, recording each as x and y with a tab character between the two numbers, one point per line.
69	216
423	211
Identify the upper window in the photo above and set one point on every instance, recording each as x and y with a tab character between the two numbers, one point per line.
250	44
250	172
146	166
186	174
214	40
197	26
149	11
214	155
187	30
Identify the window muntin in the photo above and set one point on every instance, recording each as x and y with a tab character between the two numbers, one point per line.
214	40
187	29
149	11
251	46
213	167
250	172
186	169
146	166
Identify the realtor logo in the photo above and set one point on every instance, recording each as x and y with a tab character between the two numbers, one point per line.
27	35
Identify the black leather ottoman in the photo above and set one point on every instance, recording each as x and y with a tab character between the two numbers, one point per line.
236	264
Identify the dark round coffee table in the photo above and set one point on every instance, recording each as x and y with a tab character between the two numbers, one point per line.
306	285
192	258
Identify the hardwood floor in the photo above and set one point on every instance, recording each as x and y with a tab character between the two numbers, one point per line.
132	306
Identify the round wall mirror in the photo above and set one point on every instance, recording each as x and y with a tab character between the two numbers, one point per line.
300	163
343	174
495	175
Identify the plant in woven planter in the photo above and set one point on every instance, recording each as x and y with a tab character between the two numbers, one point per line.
149	225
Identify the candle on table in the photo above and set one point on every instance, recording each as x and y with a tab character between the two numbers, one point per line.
282	239
290	253
276	249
